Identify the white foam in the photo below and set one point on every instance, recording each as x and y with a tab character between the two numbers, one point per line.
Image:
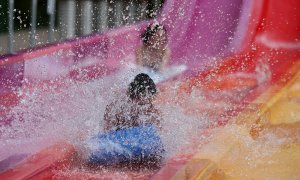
275	44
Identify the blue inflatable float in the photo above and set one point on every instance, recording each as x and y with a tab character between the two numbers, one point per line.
125	145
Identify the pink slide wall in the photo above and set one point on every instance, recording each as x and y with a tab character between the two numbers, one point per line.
197	29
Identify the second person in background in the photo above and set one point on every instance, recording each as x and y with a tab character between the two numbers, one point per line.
154	54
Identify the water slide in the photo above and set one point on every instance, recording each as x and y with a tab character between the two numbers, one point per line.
242	75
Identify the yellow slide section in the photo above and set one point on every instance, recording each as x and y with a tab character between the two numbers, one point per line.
263	142
287	107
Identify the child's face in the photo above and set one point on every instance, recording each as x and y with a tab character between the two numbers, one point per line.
142	100
159	40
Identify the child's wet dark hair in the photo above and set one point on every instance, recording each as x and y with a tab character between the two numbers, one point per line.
151	31
141	86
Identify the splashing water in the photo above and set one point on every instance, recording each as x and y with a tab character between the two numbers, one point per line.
48	111
72	110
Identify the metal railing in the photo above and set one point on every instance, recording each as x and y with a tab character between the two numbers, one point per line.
11	5
83	17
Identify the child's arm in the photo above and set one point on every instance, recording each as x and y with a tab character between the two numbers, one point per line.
166	58
107	119
156	118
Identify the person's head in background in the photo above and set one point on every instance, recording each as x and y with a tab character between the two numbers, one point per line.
155	37
142	90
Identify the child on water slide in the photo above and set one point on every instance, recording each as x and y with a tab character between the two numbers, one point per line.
154	53
131	135
134	109
131	123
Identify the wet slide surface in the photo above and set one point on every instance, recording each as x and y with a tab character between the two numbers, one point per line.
242	75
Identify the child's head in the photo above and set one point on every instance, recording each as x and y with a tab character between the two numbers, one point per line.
142	88
155	36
